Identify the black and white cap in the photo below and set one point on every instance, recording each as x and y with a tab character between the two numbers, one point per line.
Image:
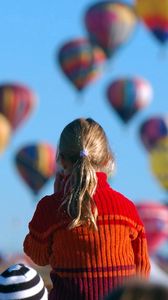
22	282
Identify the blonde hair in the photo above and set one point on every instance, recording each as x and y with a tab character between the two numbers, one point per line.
83	142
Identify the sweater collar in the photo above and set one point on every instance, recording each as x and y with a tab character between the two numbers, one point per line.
101	180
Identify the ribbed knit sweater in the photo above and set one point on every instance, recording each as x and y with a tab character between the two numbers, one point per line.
88	264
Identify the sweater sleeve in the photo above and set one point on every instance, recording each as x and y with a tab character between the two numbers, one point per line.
38	241
140	248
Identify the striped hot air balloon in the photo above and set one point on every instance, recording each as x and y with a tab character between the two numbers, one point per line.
154	14
16	103
127	96
36	164
110	24
5	132
80	62
152	130
155	218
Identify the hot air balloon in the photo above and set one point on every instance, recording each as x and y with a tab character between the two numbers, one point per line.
152	130
154	15
16	103
80	62
159	162
155	218
36	164
127	96
5	132
110	24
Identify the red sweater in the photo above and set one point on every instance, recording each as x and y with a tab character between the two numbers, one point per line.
88	264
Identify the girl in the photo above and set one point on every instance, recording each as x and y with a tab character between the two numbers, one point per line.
90	235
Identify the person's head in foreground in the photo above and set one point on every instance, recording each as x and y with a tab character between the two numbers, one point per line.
83	150
22	282
140	290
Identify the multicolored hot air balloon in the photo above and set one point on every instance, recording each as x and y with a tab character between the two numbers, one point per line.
16	103
152	130
5	132
159	162
36	164
110	24
154	15
155	218
127	96
80	62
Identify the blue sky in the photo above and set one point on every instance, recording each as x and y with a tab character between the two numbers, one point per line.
31	34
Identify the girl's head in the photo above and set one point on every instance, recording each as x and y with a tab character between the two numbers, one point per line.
85	139
83	150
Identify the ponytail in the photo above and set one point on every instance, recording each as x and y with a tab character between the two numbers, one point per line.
80	204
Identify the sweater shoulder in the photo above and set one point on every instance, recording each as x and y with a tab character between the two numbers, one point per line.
128	207
46	213
122	198
110	201
49	201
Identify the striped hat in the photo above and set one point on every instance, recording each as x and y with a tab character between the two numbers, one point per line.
22	282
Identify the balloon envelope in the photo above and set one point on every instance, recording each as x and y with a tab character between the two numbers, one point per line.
36	164
16	103
5	132
159	162
155	218
152	130
154	14
110	24
127	96
80	62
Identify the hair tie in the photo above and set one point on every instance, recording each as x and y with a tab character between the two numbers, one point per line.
83	153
